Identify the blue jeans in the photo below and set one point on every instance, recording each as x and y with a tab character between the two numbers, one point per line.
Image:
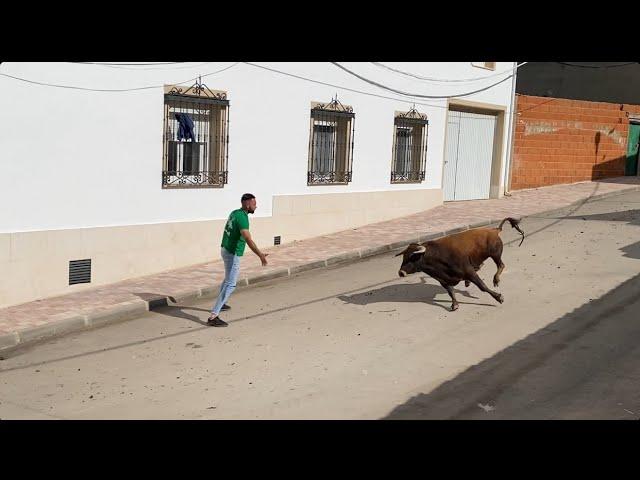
231	271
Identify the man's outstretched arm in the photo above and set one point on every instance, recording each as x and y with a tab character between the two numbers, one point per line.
252	245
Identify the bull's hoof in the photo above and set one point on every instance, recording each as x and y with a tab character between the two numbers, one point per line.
500	298
496	282
466	283
454	307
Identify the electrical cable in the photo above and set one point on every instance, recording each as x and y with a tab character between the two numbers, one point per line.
596	66
417	95
114	89
445	80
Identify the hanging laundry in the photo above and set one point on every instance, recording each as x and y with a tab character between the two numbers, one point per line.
186	129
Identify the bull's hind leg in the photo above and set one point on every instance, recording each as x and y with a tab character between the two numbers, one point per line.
500	265
497	258
449	289
496	277
480	284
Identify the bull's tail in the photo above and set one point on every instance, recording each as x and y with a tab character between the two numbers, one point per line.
514	224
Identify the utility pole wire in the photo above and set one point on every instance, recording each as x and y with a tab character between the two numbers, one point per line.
446	80
113	89
417	95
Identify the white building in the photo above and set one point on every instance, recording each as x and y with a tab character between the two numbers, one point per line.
83	169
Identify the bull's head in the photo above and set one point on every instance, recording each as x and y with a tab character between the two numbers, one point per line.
411	257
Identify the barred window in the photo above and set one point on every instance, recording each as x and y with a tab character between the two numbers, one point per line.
196	137
409	147
330	144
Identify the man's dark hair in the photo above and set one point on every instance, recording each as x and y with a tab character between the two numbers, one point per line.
247	196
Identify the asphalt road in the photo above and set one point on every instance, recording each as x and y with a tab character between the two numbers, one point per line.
359	342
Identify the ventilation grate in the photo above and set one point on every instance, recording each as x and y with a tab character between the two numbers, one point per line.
276	240
79	271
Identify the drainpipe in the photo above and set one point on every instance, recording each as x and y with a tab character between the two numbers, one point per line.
512	119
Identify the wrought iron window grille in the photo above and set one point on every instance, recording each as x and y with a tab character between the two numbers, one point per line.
334	106
198	89
409	147
331	144
196	137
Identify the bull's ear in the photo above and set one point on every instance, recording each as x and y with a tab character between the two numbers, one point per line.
401	253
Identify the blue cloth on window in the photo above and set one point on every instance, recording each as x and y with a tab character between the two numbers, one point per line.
186	127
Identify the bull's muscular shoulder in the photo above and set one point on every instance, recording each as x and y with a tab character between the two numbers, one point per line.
439	248
469	240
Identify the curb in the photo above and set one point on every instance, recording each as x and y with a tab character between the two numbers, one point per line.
120	312
281	272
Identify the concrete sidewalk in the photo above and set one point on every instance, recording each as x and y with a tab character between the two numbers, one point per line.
33	321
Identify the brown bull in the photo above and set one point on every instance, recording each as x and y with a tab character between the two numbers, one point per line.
458	257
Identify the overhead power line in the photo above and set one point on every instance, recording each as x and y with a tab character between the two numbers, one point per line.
417	95
395	99
311	80
598	66
114	89
141	64
135	69
339	86
446	80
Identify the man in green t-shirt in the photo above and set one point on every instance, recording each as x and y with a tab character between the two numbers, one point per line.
236	235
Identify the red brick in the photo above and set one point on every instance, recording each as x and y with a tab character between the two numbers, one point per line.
570	153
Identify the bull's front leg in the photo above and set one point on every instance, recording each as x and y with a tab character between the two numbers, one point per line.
449	289
466	282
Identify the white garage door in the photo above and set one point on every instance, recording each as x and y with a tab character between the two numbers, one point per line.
468	156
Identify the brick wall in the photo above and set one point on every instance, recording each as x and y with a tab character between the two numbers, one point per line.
564	141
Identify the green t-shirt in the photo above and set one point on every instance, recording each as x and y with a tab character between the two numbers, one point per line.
232	241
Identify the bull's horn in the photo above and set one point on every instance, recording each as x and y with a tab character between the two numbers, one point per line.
422	249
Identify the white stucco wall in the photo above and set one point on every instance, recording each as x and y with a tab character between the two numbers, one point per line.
75	159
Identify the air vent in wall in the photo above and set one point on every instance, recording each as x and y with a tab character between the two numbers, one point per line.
79	271
276	240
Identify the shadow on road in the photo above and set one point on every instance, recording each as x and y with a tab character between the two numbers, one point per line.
631	217
179	312
632	250
168	310
158	303
422	292
585	365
